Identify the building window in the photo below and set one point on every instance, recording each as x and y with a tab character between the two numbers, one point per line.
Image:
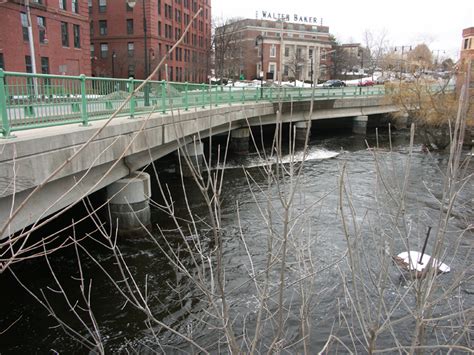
102	5
310	53
299	53
75	6
24	26
103	27
287	51
2	63
131	71
41	28
77	36
29	66
129	26
92	48
273	51
91	28
44	65
62	4
466	43
159	28
128	8
64	34
89	3
104	50
131	49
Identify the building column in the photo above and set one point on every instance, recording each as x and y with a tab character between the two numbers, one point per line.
129	204
301	128
359	124
195	153
239	140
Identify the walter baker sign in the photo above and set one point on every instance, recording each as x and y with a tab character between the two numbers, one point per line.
268	15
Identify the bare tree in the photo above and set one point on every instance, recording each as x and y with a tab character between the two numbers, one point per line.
228	47
420	58
342	60
376	44
294	65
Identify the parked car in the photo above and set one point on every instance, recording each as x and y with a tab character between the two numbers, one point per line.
366	83
334	84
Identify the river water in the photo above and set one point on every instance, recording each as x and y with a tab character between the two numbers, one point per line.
316	252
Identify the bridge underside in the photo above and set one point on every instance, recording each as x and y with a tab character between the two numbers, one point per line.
126	145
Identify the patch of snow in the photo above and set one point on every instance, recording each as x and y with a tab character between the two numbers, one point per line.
411	258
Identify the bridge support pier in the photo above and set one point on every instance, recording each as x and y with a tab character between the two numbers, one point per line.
239	140
301	128
195	153
359	124
129	204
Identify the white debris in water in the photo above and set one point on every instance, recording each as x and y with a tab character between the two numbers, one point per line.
313	154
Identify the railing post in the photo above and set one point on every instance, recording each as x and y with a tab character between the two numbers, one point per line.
257	92
217	95
230	95
243	94
203	95
84	116
131	89
163	96
299	93
186	97
3	108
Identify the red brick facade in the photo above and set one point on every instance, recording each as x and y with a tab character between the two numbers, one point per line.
55	53
117	38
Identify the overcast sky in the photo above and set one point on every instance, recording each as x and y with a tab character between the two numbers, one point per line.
406	22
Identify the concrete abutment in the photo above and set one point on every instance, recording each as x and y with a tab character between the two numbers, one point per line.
194	152
302	128
240	140
359	124
129	204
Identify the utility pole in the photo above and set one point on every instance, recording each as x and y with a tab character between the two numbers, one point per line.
401	60
147	88
132	4
260	39
32	46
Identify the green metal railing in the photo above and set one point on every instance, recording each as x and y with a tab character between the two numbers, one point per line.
30	101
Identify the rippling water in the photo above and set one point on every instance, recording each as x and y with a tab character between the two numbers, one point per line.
320	227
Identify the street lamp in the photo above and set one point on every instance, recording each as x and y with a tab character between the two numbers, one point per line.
113	63
260	39
131	4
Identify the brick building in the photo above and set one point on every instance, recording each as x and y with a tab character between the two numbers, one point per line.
118	38
60	30
301	51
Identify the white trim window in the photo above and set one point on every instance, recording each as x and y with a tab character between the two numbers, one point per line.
273	51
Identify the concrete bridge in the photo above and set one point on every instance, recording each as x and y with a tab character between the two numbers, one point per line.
125	145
